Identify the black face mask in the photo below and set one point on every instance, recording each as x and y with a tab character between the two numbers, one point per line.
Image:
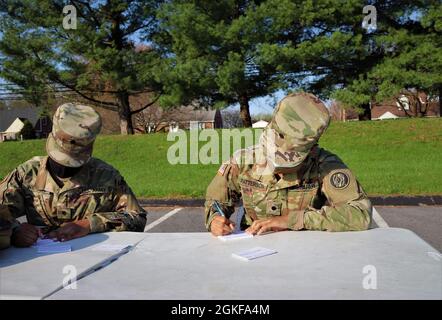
60	170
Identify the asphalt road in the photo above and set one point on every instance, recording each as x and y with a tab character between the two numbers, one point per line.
425	221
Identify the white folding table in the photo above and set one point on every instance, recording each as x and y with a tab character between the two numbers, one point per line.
27	274
308	265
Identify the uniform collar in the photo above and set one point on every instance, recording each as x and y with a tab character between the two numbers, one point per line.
259	172
45	182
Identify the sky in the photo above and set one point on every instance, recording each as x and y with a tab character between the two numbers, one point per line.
262	105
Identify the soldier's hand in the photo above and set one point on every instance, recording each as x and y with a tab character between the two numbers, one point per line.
221	226
71	230
273	224
25	235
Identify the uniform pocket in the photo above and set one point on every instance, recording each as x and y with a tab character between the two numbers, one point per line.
301	198
39	207
274	207
98	201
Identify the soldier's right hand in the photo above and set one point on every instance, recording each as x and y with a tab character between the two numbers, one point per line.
25	235
221	226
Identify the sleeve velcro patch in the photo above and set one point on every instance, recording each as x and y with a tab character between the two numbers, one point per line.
340	180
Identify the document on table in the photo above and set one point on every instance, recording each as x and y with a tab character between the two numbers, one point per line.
236	236
254	253
51	246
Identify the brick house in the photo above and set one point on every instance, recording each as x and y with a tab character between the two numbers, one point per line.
156	119
405	106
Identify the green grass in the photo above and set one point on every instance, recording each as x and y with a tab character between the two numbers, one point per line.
396	157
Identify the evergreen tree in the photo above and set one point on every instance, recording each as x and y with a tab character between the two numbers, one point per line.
98	59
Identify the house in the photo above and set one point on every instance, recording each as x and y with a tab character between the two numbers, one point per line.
13	131
388	115
260	124
198	119
406	105
157	119
12	120
43	127
9	113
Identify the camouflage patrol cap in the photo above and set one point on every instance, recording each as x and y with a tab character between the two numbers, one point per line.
296	126
74	130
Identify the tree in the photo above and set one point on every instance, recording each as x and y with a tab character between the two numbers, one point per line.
339	113
155	119
99	60
404	56
216	50
27	132
262	116
358	64
231	119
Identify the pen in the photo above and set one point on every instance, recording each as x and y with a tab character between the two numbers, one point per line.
218	209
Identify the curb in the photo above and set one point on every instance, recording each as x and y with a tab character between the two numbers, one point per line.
376	201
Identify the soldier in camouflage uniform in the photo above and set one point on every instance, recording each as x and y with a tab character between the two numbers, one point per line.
287	182
68	193
5	227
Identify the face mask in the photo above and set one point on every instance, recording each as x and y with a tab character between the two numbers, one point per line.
293	160
283	169
60	170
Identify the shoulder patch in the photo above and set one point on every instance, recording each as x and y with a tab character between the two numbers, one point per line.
340	180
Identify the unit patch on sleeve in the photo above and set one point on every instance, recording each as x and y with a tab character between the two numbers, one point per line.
339	180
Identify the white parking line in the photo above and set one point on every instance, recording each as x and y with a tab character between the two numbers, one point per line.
158	221
379	220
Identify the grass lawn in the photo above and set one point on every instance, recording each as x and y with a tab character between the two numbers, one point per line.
393	157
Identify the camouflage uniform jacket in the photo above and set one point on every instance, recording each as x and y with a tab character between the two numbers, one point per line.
97	193
322	195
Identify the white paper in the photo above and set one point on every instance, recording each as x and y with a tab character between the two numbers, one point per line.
51	246
236	236
54	248
44	242
109	247
254	253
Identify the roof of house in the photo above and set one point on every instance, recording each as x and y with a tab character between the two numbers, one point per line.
16	125
388	115
189	113
9	114
260	124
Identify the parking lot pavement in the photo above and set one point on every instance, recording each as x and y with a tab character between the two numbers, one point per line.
425	221
183	220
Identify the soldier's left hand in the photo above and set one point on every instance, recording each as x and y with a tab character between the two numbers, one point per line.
71	230
272	224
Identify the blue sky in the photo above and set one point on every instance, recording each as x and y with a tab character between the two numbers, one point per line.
263	104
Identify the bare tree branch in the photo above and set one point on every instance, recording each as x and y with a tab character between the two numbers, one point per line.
402	107
147	105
